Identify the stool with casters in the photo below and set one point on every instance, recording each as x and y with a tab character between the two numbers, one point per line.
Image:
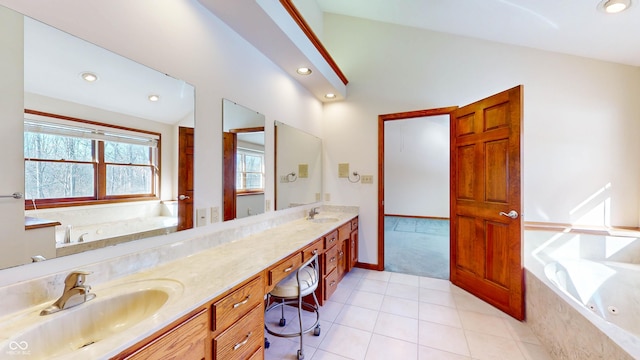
291	291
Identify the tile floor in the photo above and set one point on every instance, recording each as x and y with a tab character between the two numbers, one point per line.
384	315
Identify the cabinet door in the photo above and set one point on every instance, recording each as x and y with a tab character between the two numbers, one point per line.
186	341
353	250
342	258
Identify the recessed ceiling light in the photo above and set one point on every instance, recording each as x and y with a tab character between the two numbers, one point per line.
330	96
614	6
89	76
304	71
154	97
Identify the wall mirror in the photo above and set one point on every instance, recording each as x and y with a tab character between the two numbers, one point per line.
298	167
125	99
243	161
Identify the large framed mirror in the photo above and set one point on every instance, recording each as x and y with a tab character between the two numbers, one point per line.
243	161
298	167
108	144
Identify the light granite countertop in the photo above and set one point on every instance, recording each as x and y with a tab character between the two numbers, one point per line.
203	275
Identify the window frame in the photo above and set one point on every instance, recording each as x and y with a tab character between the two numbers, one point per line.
241	174
100	167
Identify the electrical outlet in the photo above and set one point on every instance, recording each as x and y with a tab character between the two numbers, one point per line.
327	197
201	217
343	170
267	205
318	197
283	179
366	179
215	214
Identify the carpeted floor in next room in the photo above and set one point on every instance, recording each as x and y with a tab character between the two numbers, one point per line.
416	246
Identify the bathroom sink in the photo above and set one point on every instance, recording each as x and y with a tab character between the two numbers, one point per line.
322	220
114	310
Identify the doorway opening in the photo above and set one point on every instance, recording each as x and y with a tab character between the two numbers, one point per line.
416	222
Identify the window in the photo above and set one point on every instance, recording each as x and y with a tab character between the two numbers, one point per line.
249	171
74	162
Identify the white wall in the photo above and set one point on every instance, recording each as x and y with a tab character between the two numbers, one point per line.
580	117
416	167
186	41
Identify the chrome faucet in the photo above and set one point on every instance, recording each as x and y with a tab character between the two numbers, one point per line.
81	237
67	235
75	293
313	212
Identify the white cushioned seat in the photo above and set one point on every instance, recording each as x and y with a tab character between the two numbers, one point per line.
288	287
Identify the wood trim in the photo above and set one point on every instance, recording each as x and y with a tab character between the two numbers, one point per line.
58	203
418	217
581	229
381	119
247	130
304	26
367	266
91	122
31	223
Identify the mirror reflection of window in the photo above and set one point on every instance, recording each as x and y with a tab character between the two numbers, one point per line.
250	171
73	162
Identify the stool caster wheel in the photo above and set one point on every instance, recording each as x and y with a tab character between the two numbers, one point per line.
316	331
300	355
283	322
266	343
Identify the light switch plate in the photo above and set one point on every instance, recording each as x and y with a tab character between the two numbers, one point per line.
303	171
327	197
343	170
201	217
215	214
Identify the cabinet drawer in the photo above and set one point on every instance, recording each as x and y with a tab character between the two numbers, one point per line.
316	247
233	306
284	268
330	239
185	341
242	339
258	355
330	260
330	284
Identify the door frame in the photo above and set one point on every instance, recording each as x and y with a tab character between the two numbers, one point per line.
381	121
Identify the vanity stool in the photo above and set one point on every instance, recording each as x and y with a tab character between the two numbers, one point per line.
291	291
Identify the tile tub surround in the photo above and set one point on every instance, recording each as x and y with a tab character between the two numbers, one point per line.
207	266
569	330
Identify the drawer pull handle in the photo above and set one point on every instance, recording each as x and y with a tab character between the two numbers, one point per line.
288	269
242	302
333	259
315	251
332	283
238	345
332	240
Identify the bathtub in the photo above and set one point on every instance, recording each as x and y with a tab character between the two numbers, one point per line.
610	290
582	298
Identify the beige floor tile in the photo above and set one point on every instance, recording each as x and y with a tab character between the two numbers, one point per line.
366	300
398	327
386	348
330	310
357	317
491	347
398	306
440	314
342	294
404	279
520	331
427	353
403	291
285	349
345	341
373	286
483	323
437	297
325	355
377	275
442	337
466	301
435	284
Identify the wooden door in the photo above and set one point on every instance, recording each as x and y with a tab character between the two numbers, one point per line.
229	153
486	251
185	178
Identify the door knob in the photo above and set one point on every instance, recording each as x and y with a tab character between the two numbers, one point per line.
183	197
511	214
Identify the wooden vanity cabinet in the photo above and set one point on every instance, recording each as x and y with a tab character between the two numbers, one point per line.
344	241
186	339
353	246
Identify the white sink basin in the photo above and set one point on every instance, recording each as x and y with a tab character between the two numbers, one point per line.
322	220
114	310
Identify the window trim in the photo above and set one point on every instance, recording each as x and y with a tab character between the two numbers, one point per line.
241	192
100	196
